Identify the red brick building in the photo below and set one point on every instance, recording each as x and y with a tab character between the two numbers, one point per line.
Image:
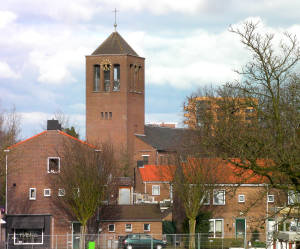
31	211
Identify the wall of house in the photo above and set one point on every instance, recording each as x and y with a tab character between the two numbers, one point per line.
27	164
141	148
164	190
137	227
254	210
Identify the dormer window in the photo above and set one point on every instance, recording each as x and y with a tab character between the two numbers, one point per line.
116	86
107	78
53	165
96	85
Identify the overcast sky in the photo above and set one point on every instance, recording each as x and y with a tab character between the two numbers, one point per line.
186	45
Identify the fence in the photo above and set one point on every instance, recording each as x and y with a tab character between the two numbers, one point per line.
151	241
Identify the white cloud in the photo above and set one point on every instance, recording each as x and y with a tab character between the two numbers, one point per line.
7	72
6	18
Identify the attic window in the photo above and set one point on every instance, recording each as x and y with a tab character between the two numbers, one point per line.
145	159
96	85
53	164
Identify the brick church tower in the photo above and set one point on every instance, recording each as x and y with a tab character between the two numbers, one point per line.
115	99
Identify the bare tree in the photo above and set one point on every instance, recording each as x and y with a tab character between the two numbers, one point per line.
193	182
9	135
259	114
83	180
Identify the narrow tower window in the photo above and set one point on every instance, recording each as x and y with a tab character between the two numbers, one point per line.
116	86
96	86
107	78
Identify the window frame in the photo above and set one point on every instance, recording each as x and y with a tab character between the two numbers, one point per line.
47	189
214	232
268	198
206	198
241	198
149	227
60	190
153	190
109	229
145	156
128	229
30	196
295	199
224	198
48	164
41	243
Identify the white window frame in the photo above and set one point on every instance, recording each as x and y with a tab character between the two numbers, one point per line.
53	172
61	192
272	198
214	232
128	229
149	227
241	198
216	191
32	198
29	243
111	225
158	190
45	192
293	197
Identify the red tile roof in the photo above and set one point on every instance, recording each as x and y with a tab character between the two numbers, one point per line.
216	170
154	173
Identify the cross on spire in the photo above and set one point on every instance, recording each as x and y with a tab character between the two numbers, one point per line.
115	25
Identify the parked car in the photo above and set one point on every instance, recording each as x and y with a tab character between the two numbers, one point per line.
137	241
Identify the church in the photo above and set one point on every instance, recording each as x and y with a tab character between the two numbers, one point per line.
115	106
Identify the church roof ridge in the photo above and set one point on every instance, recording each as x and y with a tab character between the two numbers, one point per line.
114	44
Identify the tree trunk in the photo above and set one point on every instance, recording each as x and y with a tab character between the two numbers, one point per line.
83	230
192	226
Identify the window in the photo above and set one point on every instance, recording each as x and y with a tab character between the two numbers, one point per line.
216	228
107	78
116	86
111	228
110	115
32	194
146	227
293	197
145	159
155	190
206	198
128	227
53	164
219	197
96	86
102	115
61	192
47	192
271	198
106	115
241	198
28	236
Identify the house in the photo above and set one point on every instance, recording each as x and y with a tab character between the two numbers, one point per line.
154	185
31	213
119	220
158	145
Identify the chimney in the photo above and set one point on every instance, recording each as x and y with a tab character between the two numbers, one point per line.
53	125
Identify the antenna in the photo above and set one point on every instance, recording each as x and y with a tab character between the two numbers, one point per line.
115	25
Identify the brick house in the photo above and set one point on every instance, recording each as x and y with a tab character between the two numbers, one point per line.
153	185
127	219
31	214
